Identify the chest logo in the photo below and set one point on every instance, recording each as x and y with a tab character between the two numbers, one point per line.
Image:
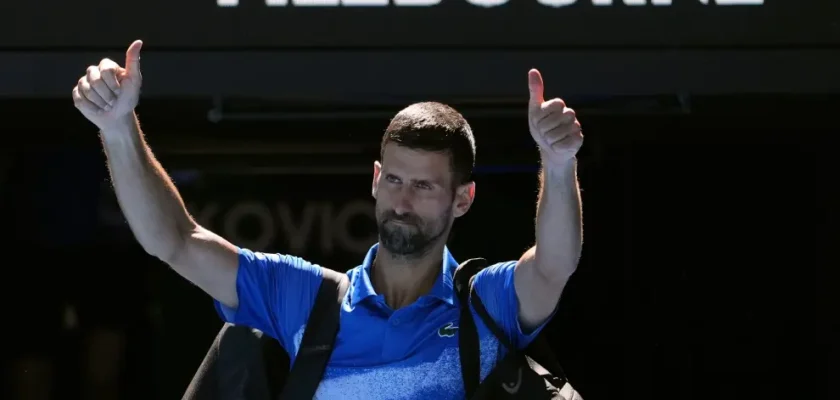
448	330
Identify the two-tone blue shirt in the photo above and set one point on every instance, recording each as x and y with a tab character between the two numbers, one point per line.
380	353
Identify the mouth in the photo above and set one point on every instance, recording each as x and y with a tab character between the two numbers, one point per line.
404	223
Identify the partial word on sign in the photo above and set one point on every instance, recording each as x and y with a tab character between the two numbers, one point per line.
478	3
320	226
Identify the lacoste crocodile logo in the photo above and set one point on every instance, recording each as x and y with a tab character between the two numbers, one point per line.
448	330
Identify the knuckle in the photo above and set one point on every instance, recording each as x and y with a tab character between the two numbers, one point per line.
554	103
551	106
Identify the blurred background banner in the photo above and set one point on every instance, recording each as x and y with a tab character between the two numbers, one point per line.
418	24
356	53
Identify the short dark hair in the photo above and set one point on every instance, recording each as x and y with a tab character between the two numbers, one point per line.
435	127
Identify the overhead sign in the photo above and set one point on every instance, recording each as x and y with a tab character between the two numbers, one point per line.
479	3
403	24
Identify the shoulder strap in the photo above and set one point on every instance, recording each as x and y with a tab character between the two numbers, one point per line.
488	321
468	345
539	350
318	338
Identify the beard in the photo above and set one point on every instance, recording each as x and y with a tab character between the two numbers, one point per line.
407	235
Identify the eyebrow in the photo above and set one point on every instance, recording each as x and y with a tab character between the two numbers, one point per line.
424	180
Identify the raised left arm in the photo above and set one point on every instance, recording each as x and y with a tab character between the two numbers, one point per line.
544	269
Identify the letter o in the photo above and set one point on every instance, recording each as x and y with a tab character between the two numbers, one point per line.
341	229
266	222
487	3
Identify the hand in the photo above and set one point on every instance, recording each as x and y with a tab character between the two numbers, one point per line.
108	93
553	125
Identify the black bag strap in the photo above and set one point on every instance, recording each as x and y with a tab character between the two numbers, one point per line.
488	321
468	345
318	339
539	350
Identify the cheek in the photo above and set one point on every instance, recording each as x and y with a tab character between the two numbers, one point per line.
383	197
381	206
433	209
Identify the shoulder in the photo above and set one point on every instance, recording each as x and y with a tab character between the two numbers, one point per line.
276	263
497	273
494	285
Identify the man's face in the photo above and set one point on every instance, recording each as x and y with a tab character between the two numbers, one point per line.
415	199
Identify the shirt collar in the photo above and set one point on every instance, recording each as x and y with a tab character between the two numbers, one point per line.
443	289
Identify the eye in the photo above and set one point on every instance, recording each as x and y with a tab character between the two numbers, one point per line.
423	185
392	179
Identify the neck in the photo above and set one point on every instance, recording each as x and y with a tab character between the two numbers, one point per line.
402	280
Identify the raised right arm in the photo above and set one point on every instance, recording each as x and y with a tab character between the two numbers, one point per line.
106	96
157	216
270	292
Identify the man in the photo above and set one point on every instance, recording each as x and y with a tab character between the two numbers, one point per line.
400	317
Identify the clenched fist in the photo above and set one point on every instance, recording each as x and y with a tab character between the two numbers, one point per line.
553	125
108	93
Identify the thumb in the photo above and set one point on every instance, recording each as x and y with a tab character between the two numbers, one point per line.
132	59
535	87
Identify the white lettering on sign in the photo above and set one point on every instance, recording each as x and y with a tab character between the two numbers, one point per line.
326	225
478	3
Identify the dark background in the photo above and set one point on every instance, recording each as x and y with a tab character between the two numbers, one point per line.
709	205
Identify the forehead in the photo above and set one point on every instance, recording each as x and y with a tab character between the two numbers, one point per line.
419	164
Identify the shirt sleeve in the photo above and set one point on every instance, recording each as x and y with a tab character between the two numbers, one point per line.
276	294
494	285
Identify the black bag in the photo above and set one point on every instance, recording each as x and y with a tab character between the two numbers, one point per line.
530	374
245	364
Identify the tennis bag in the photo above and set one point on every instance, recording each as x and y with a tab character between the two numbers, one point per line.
533	373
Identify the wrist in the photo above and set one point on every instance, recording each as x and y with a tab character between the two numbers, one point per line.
559	168
120	128
559	175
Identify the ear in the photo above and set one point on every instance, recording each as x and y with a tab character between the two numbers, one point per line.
377	170
464	196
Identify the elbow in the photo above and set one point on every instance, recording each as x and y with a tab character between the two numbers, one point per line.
166	252
170	246
552	267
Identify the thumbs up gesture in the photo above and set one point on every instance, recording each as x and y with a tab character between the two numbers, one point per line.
107	93
553	125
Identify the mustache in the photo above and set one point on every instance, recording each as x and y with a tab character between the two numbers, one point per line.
405	218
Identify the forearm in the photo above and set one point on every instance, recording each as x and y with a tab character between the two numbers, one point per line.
559	228
148	198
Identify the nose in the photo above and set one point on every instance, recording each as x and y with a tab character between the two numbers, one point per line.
403	201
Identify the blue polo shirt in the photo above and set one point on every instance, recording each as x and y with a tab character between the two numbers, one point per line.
380	353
